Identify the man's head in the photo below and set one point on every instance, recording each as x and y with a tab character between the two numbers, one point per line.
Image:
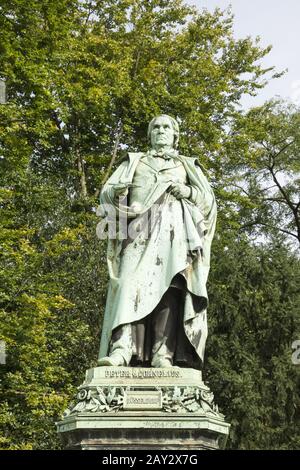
163	132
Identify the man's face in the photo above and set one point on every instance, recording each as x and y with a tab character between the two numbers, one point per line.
162	134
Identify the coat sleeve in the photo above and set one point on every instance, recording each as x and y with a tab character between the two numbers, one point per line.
107	195
202	194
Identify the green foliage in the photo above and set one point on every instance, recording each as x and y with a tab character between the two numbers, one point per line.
254	319
263	150
83	80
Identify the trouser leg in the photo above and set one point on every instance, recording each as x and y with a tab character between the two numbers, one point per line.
121	343
164	328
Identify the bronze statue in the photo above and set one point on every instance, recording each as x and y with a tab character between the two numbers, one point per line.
156	304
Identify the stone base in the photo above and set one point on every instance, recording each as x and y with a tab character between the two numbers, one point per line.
143	408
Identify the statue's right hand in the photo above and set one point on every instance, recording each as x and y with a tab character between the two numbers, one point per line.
121	190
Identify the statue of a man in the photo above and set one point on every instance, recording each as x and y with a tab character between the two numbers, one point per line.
156	304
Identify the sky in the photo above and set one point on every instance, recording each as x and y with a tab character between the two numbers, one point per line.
277	23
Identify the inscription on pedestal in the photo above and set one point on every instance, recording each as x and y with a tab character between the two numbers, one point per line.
142	373
142	400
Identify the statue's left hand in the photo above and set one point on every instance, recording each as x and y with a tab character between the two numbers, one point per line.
180	190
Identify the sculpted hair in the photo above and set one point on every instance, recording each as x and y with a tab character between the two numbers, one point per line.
174	125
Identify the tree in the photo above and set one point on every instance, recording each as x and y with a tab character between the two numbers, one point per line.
83	80
265	145
253	320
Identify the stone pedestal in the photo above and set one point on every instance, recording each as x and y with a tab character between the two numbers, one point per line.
143	408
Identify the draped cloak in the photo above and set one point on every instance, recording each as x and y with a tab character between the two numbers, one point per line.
177	240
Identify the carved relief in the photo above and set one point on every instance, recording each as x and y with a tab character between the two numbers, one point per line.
175	399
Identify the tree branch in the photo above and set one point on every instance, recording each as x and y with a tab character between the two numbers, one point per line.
58	122
282	150
256	222
242	189
119	130
283	192
82	176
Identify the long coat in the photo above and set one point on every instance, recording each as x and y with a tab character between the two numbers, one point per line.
141	269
